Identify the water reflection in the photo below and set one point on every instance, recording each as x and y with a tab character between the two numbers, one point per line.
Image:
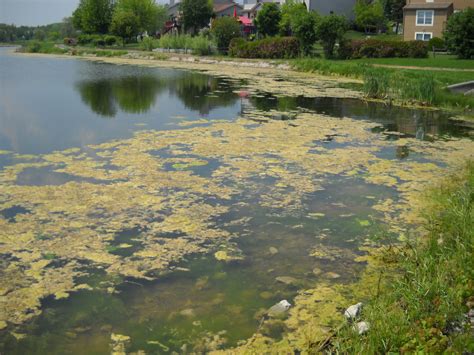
203	93
137	94
420	124
130	94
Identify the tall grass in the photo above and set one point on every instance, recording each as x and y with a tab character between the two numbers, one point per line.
406	86
379	83
422	309
199	44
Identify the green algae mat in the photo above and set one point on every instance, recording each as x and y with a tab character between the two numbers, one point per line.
147	210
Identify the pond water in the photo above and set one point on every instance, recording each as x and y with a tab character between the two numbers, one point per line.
174	207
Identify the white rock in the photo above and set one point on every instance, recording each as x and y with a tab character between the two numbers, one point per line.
362	327
353	311
279	309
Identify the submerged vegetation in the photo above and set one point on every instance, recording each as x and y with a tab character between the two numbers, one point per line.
423	308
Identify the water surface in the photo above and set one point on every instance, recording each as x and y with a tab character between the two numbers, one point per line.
51	105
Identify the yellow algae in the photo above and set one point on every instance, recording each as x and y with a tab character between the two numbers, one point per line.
331	253
60	295
171	208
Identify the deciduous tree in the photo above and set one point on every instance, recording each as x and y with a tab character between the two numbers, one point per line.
459	33
331	29
224	30
196	14
150	15
268	19
93	16
369	15
125	24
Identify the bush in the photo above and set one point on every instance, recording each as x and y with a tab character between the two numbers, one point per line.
271	48
374	48
99	42
42	47
148	44
70	41
202	45
84	39
436	42
224	30
110	40
460	32
331	29
304	28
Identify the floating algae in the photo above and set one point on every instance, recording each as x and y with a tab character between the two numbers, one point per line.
177	211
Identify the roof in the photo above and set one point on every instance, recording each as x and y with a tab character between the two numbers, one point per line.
222	7
245	21
251	7
428	6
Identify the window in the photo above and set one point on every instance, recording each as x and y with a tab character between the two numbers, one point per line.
424	17
423	36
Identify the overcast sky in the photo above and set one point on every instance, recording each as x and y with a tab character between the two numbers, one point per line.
37	12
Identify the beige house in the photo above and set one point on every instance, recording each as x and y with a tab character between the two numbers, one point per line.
425	19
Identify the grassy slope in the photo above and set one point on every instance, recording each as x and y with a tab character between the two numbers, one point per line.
419	310
440	61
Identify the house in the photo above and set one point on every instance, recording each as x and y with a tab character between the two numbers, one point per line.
252	7
327	7
251	10
227	8
425	19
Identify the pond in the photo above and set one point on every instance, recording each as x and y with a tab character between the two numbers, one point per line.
161	210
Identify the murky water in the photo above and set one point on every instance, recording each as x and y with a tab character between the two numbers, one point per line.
195	302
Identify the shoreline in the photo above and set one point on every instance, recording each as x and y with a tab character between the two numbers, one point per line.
267	76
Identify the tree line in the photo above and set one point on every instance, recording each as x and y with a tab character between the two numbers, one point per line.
124	18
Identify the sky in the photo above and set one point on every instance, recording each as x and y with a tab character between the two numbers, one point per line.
37	12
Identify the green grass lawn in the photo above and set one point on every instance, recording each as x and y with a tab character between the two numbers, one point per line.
440	61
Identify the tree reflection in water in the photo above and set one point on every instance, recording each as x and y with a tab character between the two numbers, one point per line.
138	93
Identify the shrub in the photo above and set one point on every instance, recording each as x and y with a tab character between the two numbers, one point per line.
70	41
42	47
331	30
304	28
33	47
272	48
110	40
202	45
84	39
224	30
374	48
436	42
148	44
99	42
460	32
